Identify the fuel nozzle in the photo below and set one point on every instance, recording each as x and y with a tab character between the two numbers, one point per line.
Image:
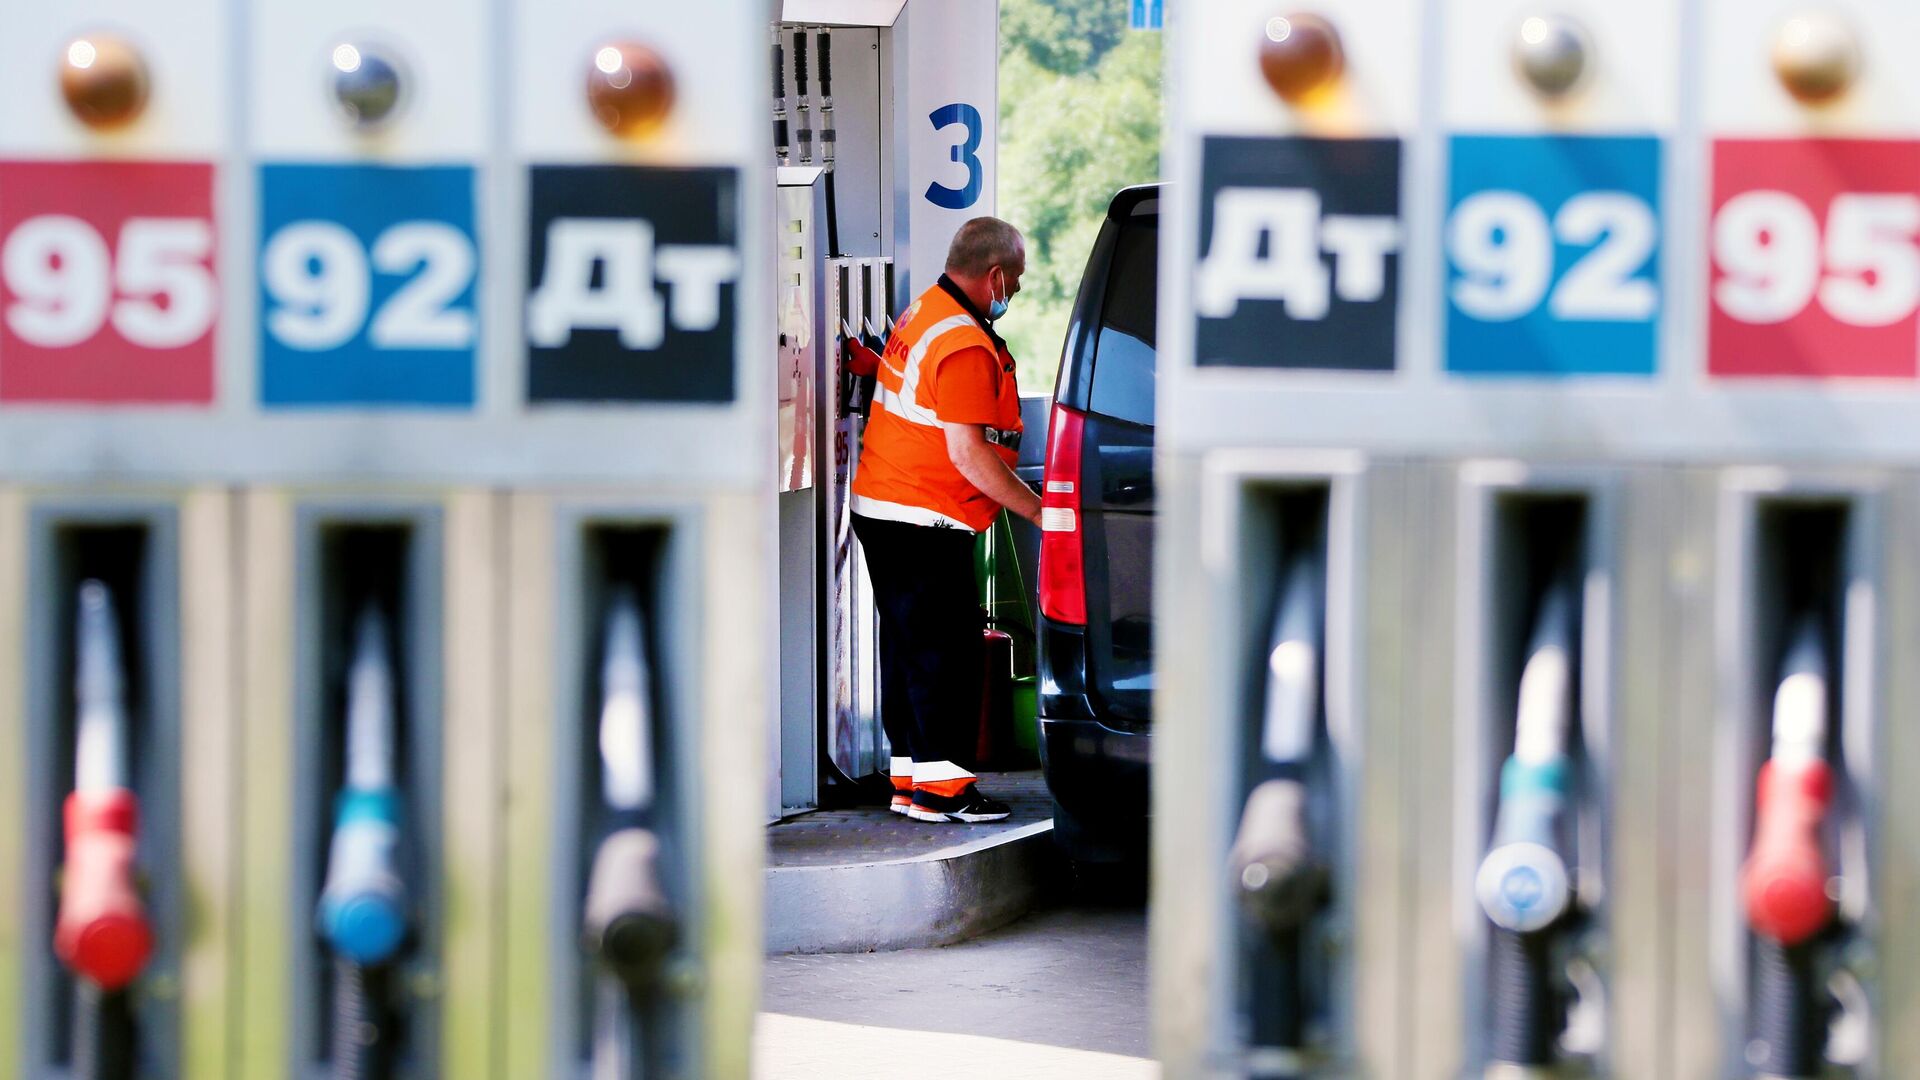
363	906
1784	881
101	931
1523	883
628	922
1276	874
1279	882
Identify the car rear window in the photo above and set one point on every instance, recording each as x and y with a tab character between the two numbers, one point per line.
1123	358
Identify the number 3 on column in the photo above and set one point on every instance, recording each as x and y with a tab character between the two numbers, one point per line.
965	153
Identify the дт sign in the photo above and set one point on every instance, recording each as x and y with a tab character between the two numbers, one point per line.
108	289
1299	253
632	273
1816	272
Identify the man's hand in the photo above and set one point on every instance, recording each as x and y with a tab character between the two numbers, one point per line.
983	467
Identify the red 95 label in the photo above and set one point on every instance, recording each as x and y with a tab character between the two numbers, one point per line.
108	289
1815	246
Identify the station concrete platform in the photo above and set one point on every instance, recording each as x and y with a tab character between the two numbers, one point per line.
868	880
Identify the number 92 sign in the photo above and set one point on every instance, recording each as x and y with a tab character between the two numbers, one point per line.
1553	249
367	285
1816	272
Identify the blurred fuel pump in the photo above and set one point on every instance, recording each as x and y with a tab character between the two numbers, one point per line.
1785	880
101	932
628	923
1280	880
1523	883
362	912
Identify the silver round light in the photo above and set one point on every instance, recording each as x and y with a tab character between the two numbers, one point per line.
1553	53
367	82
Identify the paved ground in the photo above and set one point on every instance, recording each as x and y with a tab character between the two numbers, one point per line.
1060	994
869	835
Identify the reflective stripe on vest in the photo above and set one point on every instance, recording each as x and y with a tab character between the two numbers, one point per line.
906	403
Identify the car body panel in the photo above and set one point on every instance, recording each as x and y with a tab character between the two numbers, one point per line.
1096	681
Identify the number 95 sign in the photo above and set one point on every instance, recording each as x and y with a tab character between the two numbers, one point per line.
1553	255
107	286
1815	269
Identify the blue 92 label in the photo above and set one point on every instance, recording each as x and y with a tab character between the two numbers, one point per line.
1553	255
368	278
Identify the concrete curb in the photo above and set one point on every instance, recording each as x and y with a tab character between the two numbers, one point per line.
939	898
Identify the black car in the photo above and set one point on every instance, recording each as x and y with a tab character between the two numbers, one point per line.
1096	548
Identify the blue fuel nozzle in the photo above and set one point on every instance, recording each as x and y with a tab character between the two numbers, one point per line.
363	906
1523	882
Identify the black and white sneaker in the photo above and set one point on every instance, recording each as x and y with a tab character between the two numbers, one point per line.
969	806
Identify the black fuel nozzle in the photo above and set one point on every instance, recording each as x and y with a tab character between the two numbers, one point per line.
1276	877
782	140
629	924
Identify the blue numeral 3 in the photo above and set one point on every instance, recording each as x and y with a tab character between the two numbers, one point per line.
965	153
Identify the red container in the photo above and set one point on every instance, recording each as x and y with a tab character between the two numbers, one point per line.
996	743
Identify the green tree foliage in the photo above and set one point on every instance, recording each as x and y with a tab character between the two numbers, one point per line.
1079	120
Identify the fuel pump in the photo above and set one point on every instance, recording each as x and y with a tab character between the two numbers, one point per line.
1282	881
363	909
101	932
628	923
885	112
1524	884
1784	883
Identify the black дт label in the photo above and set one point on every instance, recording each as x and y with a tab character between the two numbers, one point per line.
1299	253
633	276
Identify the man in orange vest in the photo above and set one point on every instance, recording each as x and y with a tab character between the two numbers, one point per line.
936	467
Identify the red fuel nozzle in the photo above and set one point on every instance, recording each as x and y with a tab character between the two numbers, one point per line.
860	359
101	932
1784	882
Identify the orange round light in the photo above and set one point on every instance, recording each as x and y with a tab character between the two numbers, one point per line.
104	80
629	88
1299	54
1815	56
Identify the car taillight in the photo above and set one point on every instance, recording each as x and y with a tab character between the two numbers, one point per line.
1063	577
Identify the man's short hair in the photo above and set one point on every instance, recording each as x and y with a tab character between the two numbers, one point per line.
981	245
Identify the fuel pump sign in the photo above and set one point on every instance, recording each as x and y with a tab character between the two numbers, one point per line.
1299	253
1815	269
108	288
1553	255
367	285
625	307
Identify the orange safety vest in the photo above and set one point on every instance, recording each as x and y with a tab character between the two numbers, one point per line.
944	364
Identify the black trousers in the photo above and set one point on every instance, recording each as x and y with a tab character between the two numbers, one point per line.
931	649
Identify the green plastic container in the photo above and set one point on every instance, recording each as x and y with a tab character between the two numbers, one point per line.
1003	594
